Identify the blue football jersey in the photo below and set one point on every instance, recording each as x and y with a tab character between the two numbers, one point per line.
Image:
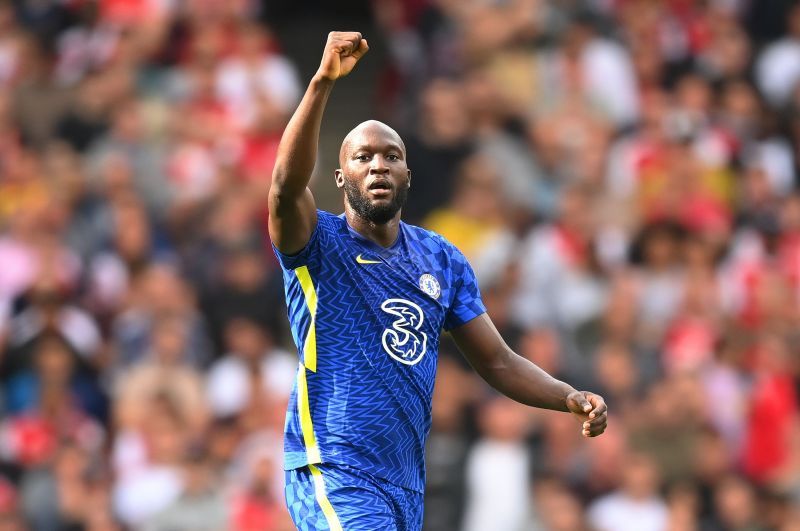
366	321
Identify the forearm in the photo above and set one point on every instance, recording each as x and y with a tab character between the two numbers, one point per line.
292	210
523	381
297	151
506	371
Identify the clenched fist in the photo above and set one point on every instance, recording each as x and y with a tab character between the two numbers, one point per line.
342	51
591	410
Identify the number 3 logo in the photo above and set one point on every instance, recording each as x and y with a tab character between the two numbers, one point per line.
404	341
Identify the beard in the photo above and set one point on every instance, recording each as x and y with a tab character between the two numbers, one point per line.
365	209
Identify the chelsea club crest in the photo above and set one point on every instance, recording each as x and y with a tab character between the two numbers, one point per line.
430	285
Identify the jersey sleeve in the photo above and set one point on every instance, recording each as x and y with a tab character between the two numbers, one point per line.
302	257
466	304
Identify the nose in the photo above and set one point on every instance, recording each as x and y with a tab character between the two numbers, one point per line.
378	165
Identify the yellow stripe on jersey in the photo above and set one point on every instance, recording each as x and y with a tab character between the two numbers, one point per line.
310	344
322	499
310	440
309	362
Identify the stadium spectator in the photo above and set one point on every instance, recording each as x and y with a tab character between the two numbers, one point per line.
636	505
497	469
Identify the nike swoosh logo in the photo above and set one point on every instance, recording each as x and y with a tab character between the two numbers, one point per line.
365	261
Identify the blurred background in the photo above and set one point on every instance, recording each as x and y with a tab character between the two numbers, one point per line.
622	174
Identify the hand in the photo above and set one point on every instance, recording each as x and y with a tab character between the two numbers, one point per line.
591	410
342	51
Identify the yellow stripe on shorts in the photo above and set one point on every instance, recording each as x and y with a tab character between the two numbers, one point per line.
322	499
304	407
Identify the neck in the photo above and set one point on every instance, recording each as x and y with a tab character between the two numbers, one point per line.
383	234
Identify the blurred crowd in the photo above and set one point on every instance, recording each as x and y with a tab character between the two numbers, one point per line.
622	174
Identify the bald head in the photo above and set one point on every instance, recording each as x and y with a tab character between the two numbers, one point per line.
368	133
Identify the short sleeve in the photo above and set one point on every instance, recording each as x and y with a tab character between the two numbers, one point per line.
466	304
302	257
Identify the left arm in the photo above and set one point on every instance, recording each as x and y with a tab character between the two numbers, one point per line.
523	381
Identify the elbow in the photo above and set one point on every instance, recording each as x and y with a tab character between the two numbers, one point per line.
285	171
277	193
281	192
493	368
287	185
279	175
278	198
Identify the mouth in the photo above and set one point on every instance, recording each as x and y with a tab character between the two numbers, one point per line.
380	188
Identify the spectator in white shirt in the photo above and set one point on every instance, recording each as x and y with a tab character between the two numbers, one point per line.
636	505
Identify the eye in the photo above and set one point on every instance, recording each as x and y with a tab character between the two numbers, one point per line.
392	157
363	157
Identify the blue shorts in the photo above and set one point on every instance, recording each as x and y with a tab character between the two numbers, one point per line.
342	498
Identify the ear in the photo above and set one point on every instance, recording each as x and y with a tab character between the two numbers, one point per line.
409	178
338	177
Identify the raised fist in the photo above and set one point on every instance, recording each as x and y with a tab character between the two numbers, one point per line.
342	51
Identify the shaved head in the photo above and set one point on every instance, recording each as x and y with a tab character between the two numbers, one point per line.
362	132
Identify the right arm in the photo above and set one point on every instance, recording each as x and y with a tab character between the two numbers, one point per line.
292	212
523	381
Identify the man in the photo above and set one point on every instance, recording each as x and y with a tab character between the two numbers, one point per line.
368	296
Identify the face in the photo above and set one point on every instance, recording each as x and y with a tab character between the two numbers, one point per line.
374	173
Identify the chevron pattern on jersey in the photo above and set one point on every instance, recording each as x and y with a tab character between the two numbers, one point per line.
365	408
359	501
